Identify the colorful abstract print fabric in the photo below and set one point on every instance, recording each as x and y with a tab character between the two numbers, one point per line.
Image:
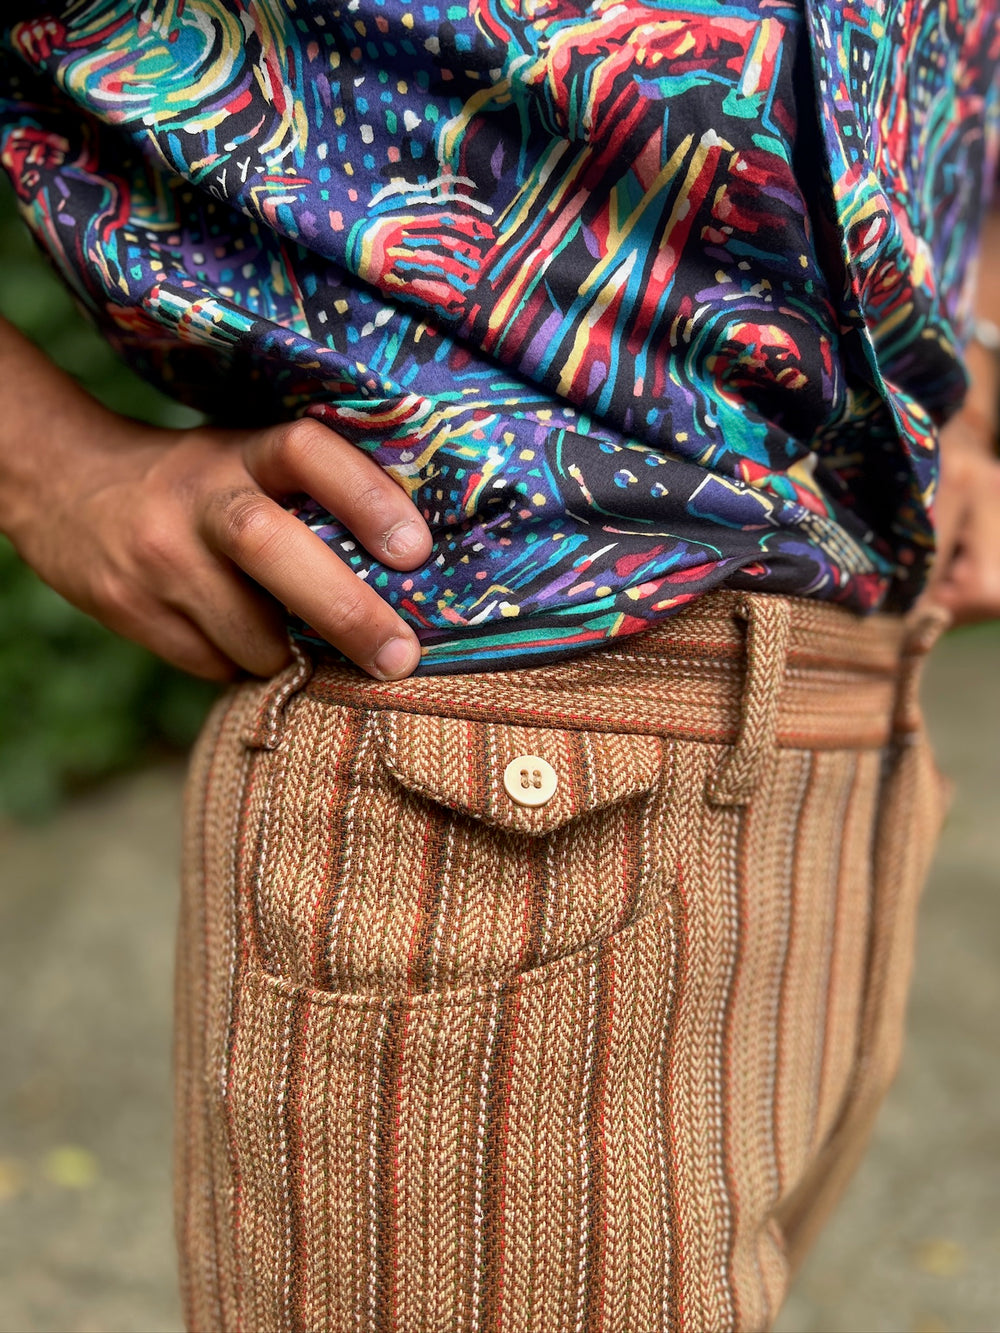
635	300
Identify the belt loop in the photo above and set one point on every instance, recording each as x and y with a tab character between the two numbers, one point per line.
265	728
768	618
923	629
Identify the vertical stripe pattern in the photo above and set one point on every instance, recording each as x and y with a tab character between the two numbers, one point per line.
447	1064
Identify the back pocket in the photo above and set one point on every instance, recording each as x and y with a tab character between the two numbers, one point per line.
392	858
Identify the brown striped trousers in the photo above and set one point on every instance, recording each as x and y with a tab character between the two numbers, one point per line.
447	1063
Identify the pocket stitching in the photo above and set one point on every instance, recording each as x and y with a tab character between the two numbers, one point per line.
550	971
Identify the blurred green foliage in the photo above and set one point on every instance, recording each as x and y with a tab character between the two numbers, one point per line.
76	702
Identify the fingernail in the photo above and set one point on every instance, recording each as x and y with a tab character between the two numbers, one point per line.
403	540
396	658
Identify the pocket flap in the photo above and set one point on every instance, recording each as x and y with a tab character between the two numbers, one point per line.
460	763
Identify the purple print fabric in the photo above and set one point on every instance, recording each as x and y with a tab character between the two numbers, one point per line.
635	300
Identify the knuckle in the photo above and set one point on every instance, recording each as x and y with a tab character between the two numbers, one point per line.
116	601
294	442
158	545
369	495
246	520
956	467
351	614
110	592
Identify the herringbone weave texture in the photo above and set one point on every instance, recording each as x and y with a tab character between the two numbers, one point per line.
448	1064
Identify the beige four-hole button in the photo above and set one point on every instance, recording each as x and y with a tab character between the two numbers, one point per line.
530	780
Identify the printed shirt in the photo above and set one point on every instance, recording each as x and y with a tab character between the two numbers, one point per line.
635	300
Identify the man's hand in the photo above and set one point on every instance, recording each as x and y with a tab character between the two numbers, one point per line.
164	536
966	574
177	539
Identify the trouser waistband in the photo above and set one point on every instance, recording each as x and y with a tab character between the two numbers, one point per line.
835	680
749	670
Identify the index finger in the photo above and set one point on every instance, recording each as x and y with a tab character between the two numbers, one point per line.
295	565
307	456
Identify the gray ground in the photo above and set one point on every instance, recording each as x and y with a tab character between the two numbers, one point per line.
86	920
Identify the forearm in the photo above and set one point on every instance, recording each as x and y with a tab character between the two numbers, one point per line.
43	414
179	540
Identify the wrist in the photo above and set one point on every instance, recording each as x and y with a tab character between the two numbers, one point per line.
46	422
39	463
48	468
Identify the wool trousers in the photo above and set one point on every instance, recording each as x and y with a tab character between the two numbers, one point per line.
548	1000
